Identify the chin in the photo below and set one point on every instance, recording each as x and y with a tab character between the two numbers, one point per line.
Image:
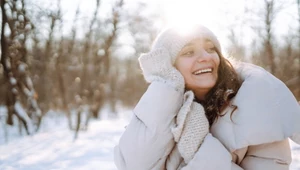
206	85
201	87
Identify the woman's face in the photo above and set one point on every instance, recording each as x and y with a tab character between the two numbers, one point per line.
198	62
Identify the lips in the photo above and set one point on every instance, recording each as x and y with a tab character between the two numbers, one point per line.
203	70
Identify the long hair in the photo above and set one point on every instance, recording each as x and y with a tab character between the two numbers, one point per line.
227	85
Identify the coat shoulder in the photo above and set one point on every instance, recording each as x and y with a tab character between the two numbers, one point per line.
266	111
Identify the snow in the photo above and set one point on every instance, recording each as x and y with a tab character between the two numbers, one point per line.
14	90
22	67
27	92
13	81
22	113
56	149
295	156
29	82
53	148
8	65
3	111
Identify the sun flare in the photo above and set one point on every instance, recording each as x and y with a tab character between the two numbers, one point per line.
189	12
182	14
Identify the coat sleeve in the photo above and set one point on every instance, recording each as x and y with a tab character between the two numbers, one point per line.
147	140
212	155
275	156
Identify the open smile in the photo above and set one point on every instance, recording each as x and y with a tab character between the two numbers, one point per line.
203	71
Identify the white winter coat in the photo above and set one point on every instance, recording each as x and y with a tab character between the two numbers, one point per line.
255	137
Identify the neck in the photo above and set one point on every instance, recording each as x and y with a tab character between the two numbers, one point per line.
200	94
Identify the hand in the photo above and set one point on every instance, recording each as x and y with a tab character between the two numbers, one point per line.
192	127
157	66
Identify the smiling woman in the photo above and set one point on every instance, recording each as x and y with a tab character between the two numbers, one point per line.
198	62
202	112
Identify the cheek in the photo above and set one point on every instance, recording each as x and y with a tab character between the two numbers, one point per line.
217	60
182	65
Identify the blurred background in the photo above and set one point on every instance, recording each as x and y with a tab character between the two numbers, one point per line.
77	59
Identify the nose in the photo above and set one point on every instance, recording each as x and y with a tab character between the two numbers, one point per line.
202	55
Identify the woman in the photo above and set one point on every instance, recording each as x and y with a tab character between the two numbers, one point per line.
200	112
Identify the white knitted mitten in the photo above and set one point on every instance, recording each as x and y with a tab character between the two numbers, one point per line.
192	127
157	66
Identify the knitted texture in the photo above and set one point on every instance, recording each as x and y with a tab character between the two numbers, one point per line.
182	114
174	39
157	66
192	127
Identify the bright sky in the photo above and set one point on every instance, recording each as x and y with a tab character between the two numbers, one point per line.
173	12
217	15
208	13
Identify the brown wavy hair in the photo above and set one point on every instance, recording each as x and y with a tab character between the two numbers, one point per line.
219	97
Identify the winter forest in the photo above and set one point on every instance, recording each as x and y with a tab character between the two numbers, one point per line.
69	72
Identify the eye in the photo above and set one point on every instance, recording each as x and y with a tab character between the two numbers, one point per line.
190	52
211	50
210	47
187	52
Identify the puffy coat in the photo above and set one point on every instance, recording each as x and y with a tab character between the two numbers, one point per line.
253	137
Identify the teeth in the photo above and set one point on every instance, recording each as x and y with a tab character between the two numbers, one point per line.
203	71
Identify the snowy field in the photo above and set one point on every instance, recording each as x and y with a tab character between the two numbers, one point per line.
53	148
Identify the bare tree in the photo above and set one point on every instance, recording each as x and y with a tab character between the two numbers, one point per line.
61	60
131	84
109	75
269	18
65	67
47	55
84	93
236	48
263	26
13	58
287	53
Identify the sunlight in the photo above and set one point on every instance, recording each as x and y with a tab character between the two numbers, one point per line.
181	14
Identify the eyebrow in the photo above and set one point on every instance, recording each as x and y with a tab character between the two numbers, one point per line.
207	40
188	44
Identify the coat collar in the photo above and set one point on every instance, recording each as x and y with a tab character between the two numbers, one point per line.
266	111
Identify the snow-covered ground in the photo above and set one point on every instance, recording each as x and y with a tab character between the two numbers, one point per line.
53	147
296	156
